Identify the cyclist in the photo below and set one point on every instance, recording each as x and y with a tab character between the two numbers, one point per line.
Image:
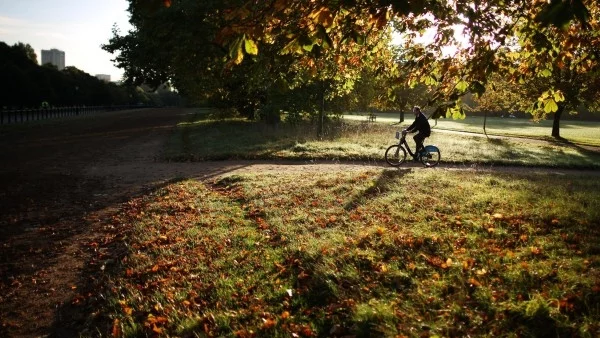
421	125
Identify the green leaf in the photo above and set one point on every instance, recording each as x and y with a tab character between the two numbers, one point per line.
546	73
430	81
235	51
559	97
550	106
462	86
250	47
308	48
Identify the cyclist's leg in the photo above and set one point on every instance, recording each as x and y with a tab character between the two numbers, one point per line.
419	142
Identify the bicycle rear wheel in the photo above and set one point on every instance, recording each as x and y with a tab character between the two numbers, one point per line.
430	156
395	155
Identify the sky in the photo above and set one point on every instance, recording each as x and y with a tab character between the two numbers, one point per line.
77	27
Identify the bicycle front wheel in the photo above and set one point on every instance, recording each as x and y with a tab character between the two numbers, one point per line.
430	156
395	155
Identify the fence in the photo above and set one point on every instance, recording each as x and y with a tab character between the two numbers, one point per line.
14	116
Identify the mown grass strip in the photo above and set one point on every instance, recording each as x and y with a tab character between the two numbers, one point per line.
379	252
582	132
203	138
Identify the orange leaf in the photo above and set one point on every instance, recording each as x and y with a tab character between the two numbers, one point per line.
116	329
167	3
307	331
474	282
268	323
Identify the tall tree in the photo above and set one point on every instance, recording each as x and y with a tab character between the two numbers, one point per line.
316	41
193	45
546	32
28	50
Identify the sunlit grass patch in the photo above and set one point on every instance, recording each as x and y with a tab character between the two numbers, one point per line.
373	252
204	138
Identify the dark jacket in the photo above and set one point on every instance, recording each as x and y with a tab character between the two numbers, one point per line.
421	125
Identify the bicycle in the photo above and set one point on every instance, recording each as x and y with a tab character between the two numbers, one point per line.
395	154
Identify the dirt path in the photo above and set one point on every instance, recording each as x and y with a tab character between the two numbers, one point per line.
61	183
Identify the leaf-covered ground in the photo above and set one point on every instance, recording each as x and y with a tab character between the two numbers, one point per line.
65	261
362	253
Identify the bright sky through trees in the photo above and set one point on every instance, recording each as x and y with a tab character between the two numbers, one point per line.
76	27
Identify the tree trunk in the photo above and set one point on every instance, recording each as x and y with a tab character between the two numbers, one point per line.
556	123
320	128
401	115
484	123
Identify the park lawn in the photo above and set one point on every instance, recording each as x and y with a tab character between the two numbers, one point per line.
382	252
581	132
202	138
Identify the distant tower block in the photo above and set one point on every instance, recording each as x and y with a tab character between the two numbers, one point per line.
103	77
55	57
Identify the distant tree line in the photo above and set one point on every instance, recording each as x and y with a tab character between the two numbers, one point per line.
26	84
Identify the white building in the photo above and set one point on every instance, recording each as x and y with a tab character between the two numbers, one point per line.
103	77
55	57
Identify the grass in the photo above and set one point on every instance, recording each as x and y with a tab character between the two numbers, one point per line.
581	132
204	138
361	253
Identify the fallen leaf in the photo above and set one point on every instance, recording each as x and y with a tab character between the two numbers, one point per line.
268	323
474	282
302	275
116	329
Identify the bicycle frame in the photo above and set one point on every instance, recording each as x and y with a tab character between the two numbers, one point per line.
402	141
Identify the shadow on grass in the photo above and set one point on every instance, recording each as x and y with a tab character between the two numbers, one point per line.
504	152
379	187
205	139
590	151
